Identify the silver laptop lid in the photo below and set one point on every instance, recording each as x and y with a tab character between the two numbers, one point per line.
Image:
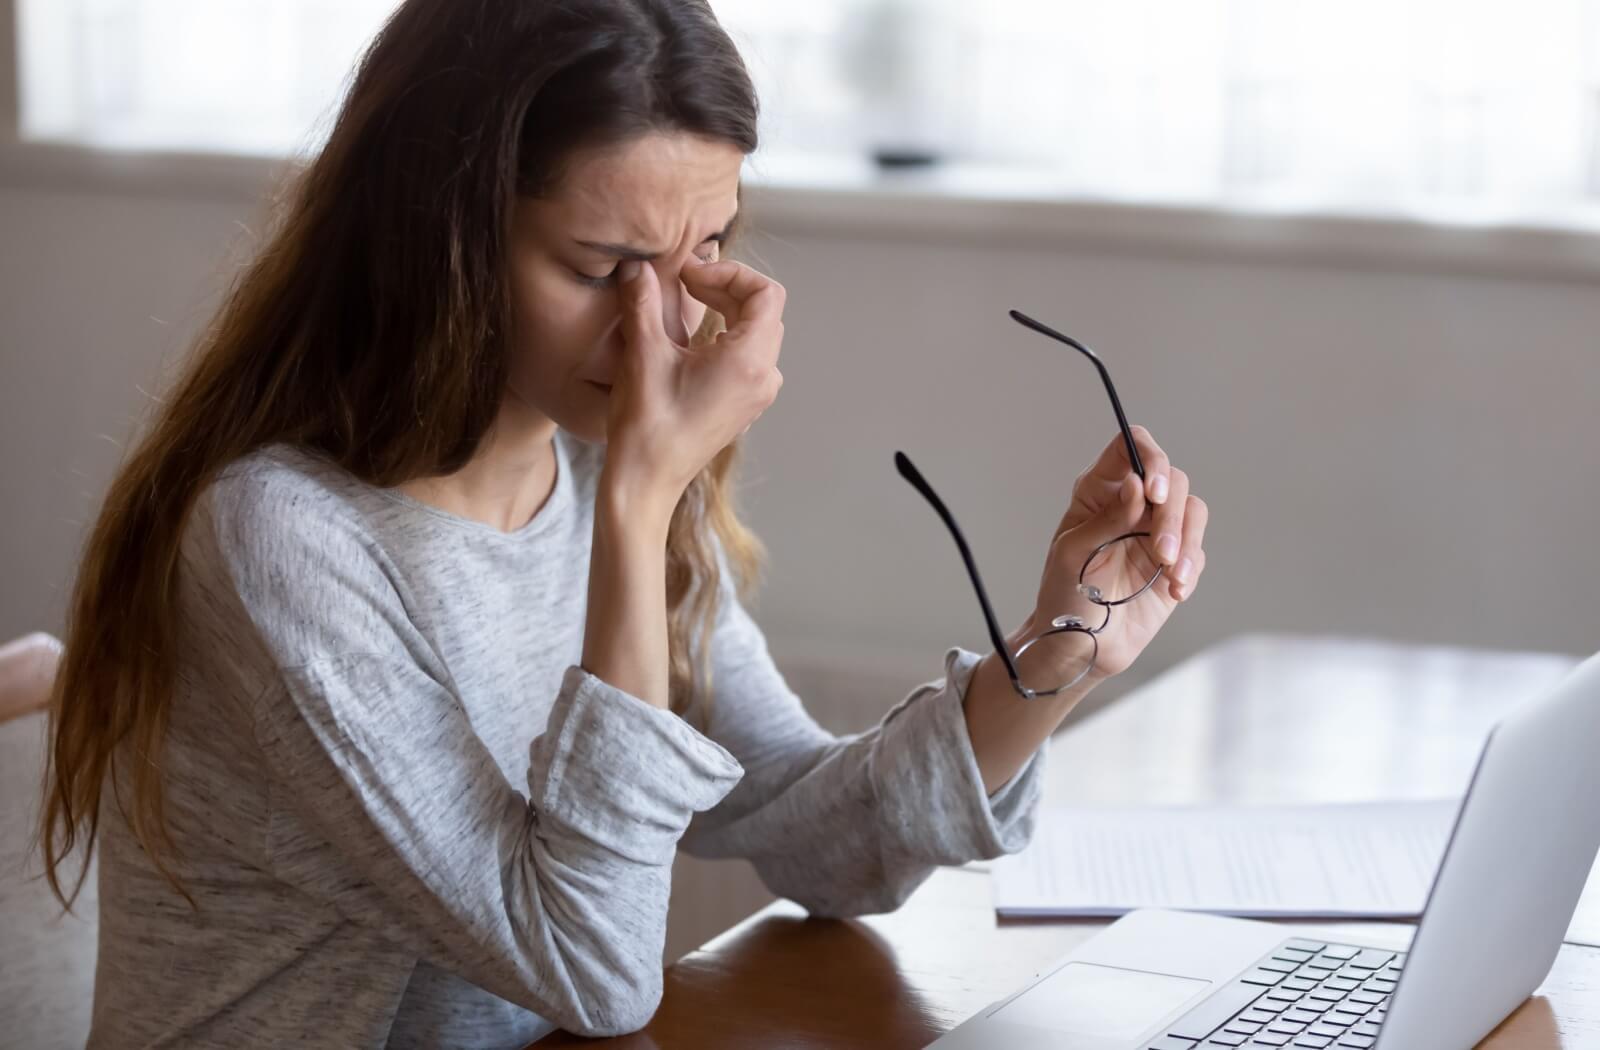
1523	846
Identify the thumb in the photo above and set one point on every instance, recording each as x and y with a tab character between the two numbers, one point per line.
1118	515
641	304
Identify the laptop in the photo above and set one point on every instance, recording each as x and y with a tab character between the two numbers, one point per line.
1523	844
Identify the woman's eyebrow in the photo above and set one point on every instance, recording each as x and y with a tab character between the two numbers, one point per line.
626	251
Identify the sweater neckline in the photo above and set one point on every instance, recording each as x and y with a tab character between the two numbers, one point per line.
554	507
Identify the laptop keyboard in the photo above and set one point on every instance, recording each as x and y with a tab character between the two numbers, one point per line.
1304	994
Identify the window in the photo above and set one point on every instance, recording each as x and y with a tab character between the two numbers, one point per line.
1474	110
241	76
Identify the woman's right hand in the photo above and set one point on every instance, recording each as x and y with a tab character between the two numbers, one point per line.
672	409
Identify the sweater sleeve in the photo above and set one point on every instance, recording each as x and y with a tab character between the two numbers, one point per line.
388	807
851	825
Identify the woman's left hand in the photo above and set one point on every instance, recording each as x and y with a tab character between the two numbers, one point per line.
1108	500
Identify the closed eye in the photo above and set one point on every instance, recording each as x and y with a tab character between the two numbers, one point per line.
595	282
607	279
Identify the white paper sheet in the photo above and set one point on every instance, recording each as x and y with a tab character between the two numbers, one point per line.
1369	860
1362	860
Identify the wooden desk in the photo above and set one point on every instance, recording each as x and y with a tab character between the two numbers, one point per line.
1257	719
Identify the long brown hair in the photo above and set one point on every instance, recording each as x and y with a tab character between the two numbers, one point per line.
372	328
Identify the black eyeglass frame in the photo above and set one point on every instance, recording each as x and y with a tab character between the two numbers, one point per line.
1059	624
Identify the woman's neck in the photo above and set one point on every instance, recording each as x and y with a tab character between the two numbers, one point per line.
507	481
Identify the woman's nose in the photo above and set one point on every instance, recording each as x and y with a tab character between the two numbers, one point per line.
672	309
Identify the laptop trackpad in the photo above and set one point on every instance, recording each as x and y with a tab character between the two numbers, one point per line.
1113	1004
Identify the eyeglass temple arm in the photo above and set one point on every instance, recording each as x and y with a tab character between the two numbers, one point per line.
908	471
1105	376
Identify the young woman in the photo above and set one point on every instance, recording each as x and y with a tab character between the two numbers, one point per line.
406	649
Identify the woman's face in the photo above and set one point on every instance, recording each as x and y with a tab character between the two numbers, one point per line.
660	198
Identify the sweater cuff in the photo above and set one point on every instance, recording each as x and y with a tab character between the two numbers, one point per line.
931	788
620	772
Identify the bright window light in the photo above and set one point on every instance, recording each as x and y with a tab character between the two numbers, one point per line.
1472	110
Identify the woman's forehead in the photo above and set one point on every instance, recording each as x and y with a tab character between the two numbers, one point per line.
650	192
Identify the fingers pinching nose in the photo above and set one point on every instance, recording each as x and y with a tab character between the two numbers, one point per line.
629	269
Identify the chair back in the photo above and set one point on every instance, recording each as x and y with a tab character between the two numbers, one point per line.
47	957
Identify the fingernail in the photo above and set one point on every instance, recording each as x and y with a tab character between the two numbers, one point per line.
629	269
1167	547
1184	570
1158	489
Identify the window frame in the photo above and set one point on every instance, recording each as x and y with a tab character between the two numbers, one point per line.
11	82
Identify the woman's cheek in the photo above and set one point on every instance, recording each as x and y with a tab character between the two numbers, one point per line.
556	307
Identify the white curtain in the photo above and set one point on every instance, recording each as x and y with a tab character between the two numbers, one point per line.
1475	110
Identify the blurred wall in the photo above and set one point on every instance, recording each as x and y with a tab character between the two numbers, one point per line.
1400	454
1390	453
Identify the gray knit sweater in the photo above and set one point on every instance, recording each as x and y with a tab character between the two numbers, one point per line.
409	818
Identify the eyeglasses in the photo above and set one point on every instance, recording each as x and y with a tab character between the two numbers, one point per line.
1079	646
